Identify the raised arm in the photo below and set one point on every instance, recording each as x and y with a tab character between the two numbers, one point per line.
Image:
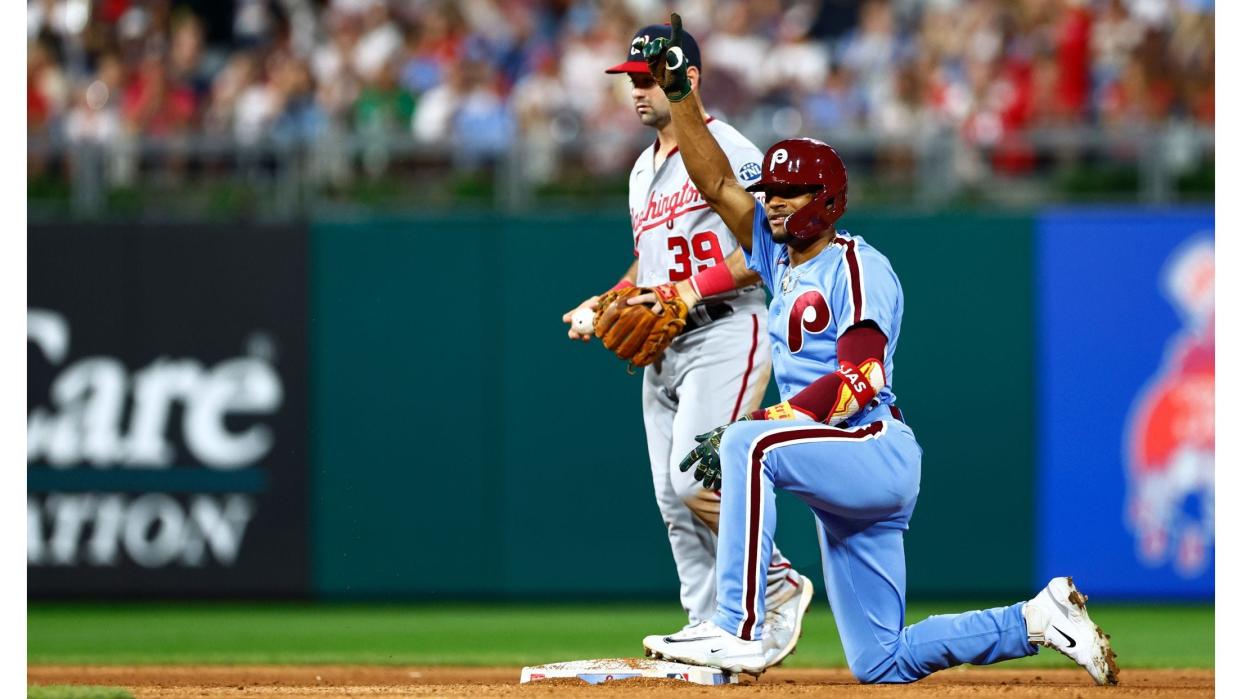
706	162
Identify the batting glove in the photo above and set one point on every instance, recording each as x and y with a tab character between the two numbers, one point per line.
668	63
705	458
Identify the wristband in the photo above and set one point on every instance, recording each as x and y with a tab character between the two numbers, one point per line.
623	284
781	411
716	279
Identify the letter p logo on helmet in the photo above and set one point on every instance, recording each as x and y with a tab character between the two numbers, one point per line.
778	157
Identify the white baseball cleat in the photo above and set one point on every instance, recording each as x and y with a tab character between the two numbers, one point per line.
782	625
711	646
650	641
1057	618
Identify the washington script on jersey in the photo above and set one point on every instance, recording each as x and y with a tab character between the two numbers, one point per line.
133	425
665	208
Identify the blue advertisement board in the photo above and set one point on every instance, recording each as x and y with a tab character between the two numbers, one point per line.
1125	389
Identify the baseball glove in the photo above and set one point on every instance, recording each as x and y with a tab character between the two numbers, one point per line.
641	332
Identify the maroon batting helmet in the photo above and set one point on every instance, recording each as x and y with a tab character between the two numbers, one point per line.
805	162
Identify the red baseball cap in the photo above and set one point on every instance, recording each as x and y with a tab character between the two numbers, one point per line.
635	63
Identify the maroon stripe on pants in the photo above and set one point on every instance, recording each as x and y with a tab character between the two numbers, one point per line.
750	614
753	524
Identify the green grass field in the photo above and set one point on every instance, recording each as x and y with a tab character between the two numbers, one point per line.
494	634
65	691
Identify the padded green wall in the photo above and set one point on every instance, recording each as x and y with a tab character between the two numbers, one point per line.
464	447
964	378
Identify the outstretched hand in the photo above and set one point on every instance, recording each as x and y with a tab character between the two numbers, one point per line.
668	63
568	317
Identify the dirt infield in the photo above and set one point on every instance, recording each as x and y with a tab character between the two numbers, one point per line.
381	681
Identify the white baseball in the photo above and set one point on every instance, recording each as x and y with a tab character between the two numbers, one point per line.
583	321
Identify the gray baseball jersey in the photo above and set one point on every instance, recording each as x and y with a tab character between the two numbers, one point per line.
676	234
715	372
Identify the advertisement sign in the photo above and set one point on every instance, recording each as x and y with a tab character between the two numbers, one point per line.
1126	392
166	411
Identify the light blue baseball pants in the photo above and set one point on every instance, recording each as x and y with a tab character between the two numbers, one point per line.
862	484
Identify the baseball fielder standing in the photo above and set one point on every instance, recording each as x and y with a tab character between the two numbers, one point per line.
718	368
837	440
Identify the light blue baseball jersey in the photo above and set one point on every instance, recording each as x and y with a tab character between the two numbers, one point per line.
861	481
814	303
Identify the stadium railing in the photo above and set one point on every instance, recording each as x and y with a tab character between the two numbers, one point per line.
267	178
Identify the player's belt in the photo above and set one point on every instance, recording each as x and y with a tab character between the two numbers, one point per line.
705	314
892	410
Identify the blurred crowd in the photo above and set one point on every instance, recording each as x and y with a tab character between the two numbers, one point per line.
482	74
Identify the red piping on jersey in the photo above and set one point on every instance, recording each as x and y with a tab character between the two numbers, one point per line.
750	364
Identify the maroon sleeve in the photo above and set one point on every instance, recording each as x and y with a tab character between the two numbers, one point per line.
857	345
860	343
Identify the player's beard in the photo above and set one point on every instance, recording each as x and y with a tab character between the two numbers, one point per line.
654	118
783	237
779	234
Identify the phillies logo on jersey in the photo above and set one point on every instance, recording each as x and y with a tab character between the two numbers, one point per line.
809	314
1171	436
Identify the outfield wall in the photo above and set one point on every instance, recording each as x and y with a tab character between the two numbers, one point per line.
1128	427
167	400
451	439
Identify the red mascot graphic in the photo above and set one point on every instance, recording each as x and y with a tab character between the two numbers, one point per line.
1171	438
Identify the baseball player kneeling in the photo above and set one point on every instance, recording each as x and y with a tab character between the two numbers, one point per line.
836	440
